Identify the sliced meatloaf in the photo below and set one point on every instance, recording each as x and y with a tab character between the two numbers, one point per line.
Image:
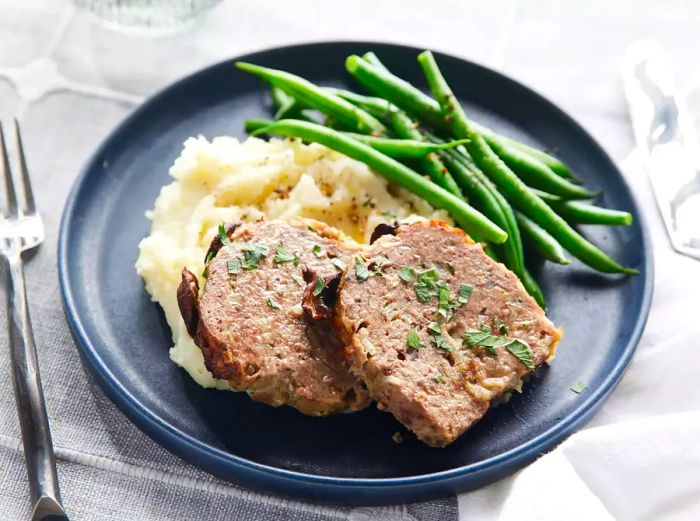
249	323
437	329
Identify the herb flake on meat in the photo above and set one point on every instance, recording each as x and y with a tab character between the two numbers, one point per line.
379	261
426	285
445	303
252	255
521	351
233	266
437	337
339	264
439	378
317	250
283	255
464	292
362	273
223	236
413	340
318	286
209	257
298	279
271	303
485	339
407	274
500	325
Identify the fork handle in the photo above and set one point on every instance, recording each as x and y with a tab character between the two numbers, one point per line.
34	422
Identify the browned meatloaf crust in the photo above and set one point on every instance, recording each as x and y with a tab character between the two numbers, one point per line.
439	387
249	321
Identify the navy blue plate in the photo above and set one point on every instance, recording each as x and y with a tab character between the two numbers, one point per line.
348	458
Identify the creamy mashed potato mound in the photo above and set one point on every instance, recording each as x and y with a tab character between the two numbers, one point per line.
224	180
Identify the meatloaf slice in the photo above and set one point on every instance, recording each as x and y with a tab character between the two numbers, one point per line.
249	321
437	329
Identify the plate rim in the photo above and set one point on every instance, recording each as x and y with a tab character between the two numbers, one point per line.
213	459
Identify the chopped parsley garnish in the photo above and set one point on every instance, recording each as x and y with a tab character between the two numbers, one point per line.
407	274
338	264
298	279
521	351
413	340
379	261
500	325
579	387
426	285
465	291
317	250
310	228
283	255
435	328
296	260
368	202
484	339
361	271
271	303
390	213
222	235
444	302
437	337
234	266
423	292
252	255
318	286
439	378
209	257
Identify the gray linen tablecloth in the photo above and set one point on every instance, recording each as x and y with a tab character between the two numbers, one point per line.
70	80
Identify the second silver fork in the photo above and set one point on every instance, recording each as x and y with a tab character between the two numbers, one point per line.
22	229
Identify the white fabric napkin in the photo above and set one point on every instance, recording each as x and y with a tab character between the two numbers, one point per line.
640	456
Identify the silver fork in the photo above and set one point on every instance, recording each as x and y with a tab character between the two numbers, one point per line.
22	229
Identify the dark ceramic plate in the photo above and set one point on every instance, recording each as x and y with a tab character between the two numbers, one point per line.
348	458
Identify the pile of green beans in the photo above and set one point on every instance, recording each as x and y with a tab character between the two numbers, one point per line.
499	190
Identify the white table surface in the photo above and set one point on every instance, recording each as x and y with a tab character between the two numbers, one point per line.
70	80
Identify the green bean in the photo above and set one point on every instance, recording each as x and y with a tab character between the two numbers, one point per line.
556	166
492	204
279	97
405	128
315	97
373	59
544	243
384	84
535	173
377	79
581	213
512	187
531	170
396	148
378	107
253	124
465	216
403	148
533	288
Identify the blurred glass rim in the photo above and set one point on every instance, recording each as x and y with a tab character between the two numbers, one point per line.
146	16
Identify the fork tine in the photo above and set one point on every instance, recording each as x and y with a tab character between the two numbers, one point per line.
10	195
29	207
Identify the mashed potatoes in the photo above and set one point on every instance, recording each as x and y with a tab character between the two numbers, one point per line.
224	180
